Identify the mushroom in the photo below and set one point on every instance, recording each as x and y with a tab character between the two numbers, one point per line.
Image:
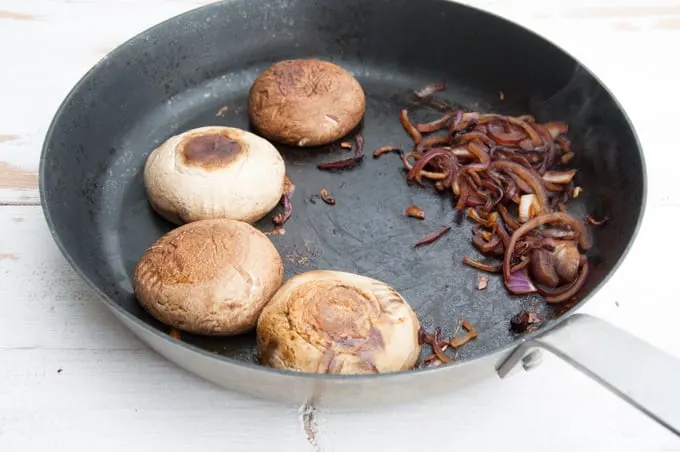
306	102
341	323
214	172
209	277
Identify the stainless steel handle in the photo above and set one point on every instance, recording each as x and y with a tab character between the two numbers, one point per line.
639	373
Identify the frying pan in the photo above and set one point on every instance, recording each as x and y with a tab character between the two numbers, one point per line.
179	74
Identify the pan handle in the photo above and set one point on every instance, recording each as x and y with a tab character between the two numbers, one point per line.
636	371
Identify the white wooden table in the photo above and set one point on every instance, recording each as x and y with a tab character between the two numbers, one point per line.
72	379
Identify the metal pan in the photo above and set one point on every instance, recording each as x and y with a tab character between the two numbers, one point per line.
179	74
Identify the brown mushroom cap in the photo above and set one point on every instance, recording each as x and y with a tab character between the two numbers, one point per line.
335	322
209	277
306	102
214	172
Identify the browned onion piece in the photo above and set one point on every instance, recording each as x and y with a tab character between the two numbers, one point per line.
359	146
595	222
327	197
557	233
340	164
556	128
576	192
418	168
553	187
457	124
281	218
566	157
385	149
457	342
549	148
422	173
535	138
473	176
429	90
474	216
415	212
522	263
432	237
288	186
480	154
530	177
432	140
497	132
559	177
175	333
502	233
527	144
522	186
276	231
490	245
461	153
481	266
410	129
508	219
437	124
437	348
462	199
475	135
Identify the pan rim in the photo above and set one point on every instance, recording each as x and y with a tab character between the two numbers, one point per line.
109	303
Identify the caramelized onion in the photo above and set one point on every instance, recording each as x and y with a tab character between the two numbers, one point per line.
432	237
555	217
281	218
437	124
507	139
530	177
415	212
502	170
410	129
384	150
559	177
430	89
481	266
528	207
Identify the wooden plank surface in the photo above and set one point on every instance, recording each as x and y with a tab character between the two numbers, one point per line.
71	378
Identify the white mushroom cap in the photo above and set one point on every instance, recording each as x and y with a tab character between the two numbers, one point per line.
214	172
209	277
335	322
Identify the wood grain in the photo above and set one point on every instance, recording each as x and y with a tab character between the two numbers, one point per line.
672	23
13	15
5	138
625	11
16	178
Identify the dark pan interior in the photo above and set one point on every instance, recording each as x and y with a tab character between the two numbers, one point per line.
180	74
